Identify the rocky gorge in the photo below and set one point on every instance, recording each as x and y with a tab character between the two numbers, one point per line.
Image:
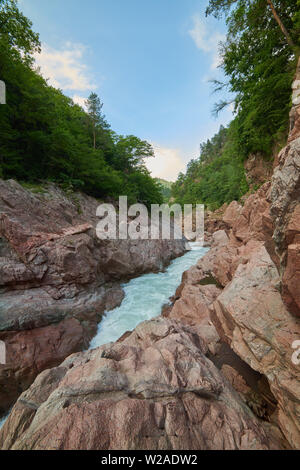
214	371
57	278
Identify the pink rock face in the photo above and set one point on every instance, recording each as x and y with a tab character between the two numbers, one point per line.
251	317
291	280
295	131
192	308
285	211
29	352
155	389
219	238
292	232
257	169
236	380
291	262
53	268
285	206
220	263
232	213
253	223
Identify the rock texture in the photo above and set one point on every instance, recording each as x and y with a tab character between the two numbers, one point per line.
253	269
258	170
285	210
285	207
251	317
154	389
295	111
256	313
57	278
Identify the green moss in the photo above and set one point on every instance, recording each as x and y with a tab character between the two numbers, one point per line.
210	280
34	188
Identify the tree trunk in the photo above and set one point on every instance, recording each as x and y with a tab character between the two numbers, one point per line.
281	25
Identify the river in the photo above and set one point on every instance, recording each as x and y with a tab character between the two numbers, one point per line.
144	297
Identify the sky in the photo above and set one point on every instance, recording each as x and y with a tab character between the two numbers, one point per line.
150	61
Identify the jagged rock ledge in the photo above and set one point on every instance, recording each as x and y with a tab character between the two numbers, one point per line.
153	389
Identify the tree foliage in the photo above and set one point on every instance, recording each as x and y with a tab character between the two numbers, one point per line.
259	64
258	58
44	135
216	176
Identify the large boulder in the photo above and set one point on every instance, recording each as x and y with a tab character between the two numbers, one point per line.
193	308
254	222
154	389
231	213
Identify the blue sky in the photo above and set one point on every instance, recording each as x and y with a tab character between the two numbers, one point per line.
150	61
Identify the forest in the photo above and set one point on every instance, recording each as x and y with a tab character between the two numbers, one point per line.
45	136
258	60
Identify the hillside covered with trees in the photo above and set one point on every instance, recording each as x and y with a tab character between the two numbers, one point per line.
45	136
258	59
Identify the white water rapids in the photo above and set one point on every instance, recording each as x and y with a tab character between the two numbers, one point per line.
144	298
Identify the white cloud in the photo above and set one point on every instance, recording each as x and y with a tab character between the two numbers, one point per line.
65	68
79	100
206	40
166	164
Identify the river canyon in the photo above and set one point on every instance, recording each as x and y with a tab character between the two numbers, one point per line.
142	345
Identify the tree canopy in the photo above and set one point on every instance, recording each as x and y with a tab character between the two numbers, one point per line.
216	176
259	63
45	136
259	58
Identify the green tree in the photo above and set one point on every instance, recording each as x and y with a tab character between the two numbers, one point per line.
219	7
259	58
131	152
45	136
94	109
15	31
217	175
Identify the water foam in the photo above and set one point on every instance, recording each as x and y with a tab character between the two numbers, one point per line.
144	298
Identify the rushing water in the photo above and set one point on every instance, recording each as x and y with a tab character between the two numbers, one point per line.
144	298
2	420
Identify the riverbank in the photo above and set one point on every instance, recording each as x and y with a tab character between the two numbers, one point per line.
57	278
144	298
